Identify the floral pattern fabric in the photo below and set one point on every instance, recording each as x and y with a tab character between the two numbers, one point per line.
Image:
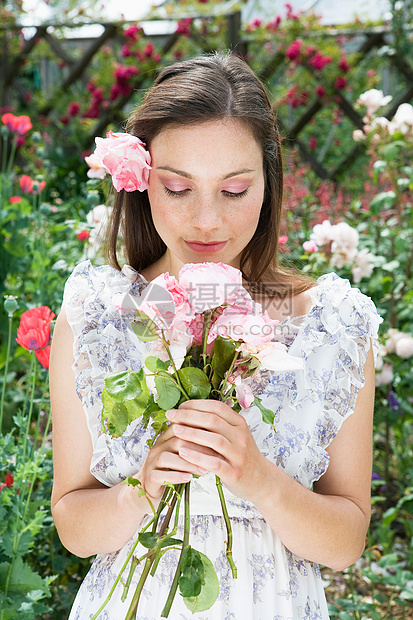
310	405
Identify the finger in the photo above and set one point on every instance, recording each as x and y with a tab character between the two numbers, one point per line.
215	464
213	406
174	443
211	440
160	477
200	419
172	461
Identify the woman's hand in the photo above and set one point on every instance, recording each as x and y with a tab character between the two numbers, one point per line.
218	439
164	464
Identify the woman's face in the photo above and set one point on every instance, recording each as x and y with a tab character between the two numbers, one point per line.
206	188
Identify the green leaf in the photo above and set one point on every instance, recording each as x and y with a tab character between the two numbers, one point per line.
24	542
124	385
160	421
195	382
223	354
383	200
154	364
267	414
120	414
192	573
151	407
144	327
169	542
148	539
22	579
391	151
209	591
168	392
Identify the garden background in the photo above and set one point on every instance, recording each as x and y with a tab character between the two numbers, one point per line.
342	96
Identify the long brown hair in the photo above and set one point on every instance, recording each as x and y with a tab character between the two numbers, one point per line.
210	87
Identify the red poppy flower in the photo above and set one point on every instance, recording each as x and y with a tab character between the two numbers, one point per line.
34	330
83	235
9	480
15	199
43	355
26	183
17	124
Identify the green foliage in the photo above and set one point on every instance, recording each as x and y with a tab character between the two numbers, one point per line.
39	248
209	588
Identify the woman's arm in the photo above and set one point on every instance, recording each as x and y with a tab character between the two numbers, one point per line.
327	525
90	517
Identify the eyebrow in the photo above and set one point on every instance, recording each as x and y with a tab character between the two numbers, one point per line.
188	176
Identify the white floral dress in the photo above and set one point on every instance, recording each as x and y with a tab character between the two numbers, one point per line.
310	406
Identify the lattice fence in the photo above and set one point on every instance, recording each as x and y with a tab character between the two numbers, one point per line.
78	56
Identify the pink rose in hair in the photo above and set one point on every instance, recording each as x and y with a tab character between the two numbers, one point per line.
126	159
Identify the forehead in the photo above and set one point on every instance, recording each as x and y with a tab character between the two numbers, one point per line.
226	139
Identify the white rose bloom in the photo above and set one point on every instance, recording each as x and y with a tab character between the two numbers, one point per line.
385	376
322	233
342	256
383	122
382	352
97	214
403	119
364	267
404	346
344	235
359	135
373	100
393	335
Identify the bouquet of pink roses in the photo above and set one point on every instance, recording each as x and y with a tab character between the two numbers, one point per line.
206	338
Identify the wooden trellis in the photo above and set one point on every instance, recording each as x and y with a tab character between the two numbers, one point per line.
373	40
11	72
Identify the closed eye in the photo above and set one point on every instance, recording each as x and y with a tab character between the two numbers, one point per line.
170	192
235	194
182	192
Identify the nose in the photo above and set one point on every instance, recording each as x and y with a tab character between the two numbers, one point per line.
207	214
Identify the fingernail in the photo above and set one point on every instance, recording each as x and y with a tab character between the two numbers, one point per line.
178	429
183	452
170	414
202	470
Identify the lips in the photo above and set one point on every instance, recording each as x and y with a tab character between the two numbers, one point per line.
211	246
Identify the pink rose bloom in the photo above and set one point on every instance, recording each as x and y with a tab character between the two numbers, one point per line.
254	329
310	246
210	285
97	169
183	310
244	393
126	159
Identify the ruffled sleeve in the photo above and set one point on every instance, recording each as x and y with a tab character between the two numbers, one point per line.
310	405
103	343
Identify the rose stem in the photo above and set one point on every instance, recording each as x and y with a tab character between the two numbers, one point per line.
228	552
151	558
172	592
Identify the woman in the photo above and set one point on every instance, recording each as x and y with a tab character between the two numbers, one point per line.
297	496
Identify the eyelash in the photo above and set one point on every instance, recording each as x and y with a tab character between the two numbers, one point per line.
170	192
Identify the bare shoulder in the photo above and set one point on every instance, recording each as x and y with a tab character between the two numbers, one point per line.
296	305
